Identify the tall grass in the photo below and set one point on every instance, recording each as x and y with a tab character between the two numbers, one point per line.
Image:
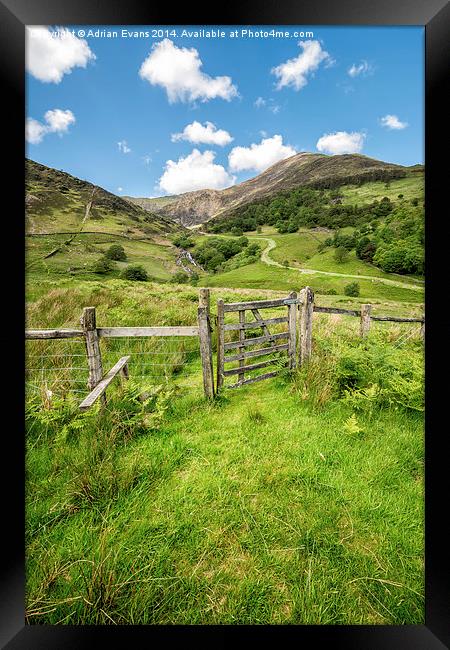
296	500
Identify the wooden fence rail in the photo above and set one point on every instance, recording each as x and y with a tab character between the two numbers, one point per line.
298	345
97	383
99	390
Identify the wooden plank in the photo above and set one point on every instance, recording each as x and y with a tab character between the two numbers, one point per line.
397	319
254	366
205	343
241	340
292	312
255	325
119	332
306	322
88	322
220	343
103	384
365	319
266	331
255	304
336	310
54	334
258	339
256	353
254	379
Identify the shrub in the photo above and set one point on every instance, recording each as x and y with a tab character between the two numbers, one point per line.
103	265
180	277
135	272
183	241
116	252
341	255
194	278
351	289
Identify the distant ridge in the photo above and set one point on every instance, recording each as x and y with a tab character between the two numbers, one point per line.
301	170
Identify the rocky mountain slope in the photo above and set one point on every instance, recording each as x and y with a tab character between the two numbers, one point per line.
303	169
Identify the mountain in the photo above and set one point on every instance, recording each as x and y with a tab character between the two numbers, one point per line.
301	170
59	202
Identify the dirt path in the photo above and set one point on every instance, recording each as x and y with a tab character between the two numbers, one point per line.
265	257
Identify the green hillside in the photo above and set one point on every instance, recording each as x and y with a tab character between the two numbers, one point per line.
56	202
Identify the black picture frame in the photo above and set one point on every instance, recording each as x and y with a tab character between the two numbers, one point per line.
434	16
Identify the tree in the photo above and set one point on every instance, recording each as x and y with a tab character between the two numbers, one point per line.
352	289
183	241
341	255
135	272
103	266
365	249
116	252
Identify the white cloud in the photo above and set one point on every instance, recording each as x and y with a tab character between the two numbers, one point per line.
362	68
195	172
120	189
392	122
203	134
147	159
123	146
34	131
341	142
260	156
295	72
178	70
58	121
268	103
49	57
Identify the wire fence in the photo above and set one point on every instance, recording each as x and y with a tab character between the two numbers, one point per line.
60	368
396	333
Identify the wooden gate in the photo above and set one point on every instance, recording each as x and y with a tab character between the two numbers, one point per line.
276	339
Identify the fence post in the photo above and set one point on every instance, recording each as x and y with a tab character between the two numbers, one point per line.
89	325
220	343
292	324
306	322
365	319
204	330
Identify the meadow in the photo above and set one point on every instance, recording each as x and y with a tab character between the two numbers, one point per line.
298	500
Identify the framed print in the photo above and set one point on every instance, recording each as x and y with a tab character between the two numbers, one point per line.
232	416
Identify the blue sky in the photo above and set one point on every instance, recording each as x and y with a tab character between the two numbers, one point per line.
221	109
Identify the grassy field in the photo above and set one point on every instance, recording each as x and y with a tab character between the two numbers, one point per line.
156	255
412	187
298	500
261	276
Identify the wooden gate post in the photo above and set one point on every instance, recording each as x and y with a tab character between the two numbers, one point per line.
365	319
204	331
292	324
220	343
306	321
89	325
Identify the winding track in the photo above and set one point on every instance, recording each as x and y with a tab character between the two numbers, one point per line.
265	257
